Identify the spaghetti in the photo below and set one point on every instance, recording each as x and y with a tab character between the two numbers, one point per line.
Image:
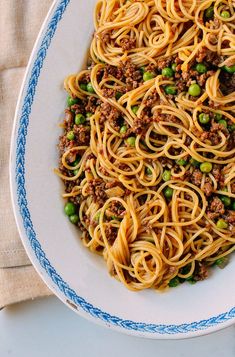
147	154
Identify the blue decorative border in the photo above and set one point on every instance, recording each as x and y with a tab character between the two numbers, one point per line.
28	225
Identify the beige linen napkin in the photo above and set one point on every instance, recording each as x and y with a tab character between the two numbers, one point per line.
20	21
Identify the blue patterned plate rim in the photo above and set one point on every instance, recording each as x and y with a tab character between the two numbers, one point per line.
54	280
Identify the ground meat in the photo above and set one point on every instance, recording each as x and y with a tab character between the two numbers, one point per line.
131	84
151	99
166	117
231	141
227	82
212	104
86	77
96	188
207	56
109	113
109	92
130	70
164	62
188	140
207	188
104	171
230	218
116	72
215	209
196	177
233	187
165	161
218	175
79	108
64	144
215	24
185	79
215	127
213	39
151	67
128	44
124	167
105	36
111	184
181	84
141	125
201	79
82	134
111	233
201	271
82	228
90	156
117	209
68	120
213	133
127	72
91	105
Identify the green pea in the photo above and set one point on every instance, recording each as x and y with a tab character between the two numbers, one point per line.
142	69
72	101
123	129
166	176
174	282
90	88
114	218
168	192
226	200
75	172
131	141
173	66
170	89
201	68
225	14
221	262
181	162
209	13
223	122
167	72
143	143
231	127
118	95
70	135
233	206
206	167
79	119
135	109
194	162
148	171
185	269
194	90
97	217
230	69
89	114
83	86
225	189
204	118
76	162
147	76
191	280
74	219
218	116
69	209
221	224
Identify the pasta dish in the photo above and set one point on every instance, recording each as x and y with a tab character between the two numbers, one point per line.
147	154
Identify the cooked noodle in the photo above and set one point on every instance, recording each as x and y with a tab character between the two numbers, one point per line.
144	201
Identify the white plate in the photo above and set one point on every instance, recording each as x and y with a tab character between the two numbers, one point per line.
76	276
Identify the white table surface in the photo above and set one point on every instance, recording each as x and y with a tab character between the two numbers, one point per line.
47	328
